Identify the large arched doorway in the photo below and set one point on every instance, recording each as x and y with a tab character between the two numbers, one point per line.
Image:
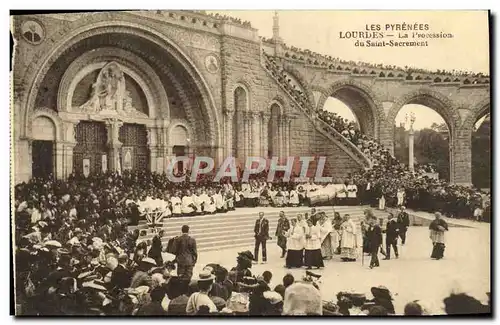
149	62
359	101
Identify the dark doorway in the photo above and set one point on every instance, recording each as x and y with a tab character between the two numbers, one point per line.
179	151
43	158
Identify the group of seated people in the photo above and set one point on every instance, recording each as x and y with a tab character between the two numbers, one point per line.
227	197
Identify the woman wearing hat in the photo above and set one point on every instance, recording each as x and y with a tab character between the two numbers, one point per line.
382	297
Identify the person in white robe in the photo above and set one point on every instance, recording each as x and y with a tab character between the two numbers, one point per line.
352	194
188	206
400	196
167	207
210	205
312	254
348	243
272	195
219	201
294	198
36	215
229	198
295	245
238	198
326	229
198	202
176	202
286	196
341	194
381	202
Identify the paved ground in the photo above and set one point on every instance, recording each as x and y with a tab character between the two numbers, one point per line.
414	276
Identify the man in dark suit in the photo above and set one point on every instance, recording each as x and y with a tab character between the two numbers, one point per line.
261	231
391	236
404	223
120	276
374	237
281	230
184	248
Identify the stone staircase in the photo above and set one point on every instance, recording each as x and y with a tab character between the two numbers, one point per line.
320	125
235	228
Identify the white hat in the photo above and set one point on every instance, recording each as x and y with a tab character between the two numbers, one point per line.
53	243
273	297
205	275
302	299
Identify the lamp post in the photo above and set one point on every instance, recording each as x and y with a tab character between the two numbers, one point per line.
411	158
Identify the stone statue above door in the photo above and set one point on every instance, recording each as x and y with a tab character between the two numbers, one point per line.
109	95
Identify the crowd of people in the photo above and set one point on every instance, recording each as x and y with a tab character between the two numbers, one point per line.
231	19
88	275
317	58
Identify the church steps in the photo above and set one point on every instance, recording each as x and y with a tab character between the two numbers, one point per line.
235	229
239	226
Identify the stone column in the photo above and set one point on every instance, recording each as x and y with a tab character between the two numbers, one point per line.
288	138
460	158
114	144
229	133
256	136
265	134
68	158
22	160
169	155
152	137
65	150
411	159
246	136
281	136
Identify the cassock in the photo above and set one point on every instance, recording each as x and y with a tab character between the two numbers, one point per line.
187	205
312	255
210	205
176	205
197	201
294	197
437	229
295	246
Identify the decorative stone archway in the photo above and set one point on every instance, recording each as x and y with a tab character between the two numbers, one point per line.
361	100
82	31
142	73
444	107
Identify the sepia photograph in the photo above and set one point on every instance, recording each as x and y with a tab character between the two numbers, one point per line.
250	163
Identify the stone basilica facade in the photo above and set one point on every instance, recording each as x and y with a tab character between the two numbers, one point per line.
130	90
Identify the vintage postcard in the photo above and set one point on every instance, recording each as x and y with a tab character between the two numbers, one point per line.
262	163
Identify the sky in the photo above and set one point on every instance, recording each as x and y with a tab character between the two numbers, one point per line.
319	31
